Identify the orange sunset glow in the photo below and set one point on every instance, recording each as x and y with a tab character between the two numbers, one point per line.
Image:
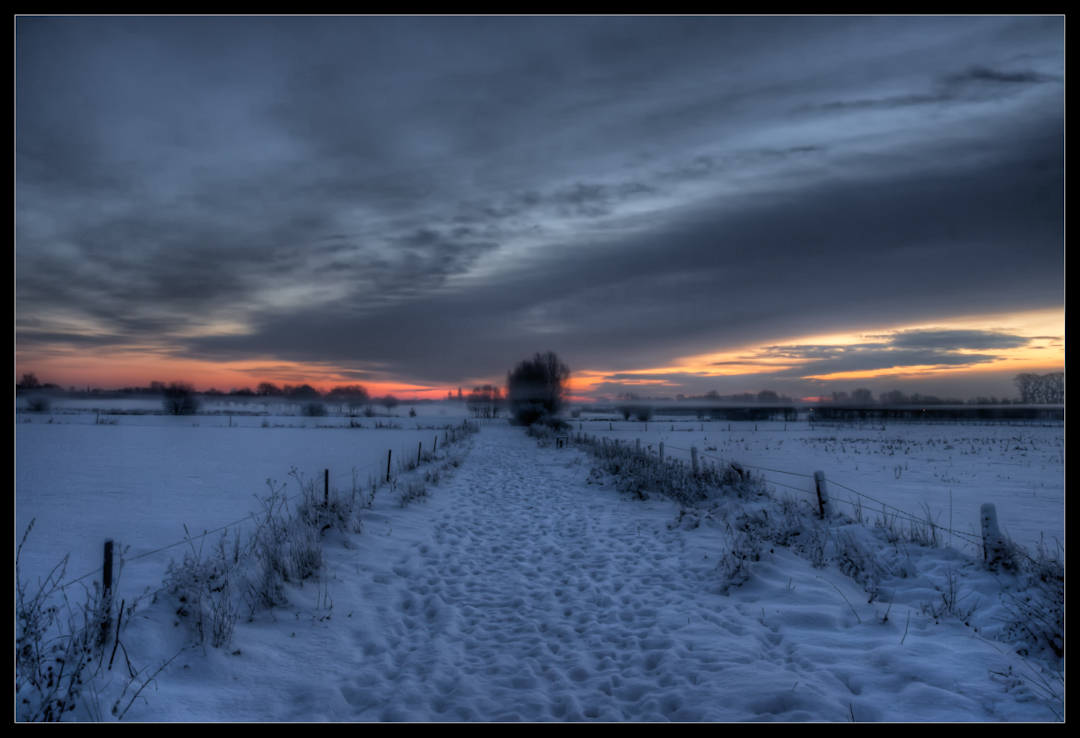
751	365
1042	352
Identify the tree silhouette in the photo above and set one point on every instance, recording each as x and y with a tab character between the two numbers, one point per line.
537	388
354	396
180	399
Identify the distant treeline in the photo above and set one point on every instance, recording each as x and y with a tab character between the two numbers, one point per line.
930	411
353	395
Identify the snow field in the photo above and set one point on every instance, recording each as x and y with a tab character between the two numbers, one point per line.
140	481
949	469
517	590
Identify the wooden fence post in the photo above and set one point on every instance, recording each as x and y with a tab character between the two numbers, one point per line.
738	468
326	487
637	445
106	589
389	454
822	493
106	574
418	452
994	548
661	451
693	459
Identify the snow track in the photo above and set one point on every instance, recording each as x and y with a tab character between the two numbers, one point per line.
536	600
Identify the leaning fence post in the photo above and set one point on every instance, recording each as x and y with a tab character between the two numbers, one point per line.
693	459
738	467
435	445
388	455
418	452
994	549
822	493
326	487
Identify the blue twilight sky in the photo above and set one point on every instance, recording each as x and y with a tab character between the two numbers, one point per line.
673	205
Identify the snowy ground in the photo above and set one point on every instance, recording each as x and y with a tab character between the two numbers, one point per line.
519	589
949	469
141	481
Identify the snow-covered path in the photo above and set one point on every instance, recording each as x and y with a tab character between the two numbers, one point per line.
536	600
518	590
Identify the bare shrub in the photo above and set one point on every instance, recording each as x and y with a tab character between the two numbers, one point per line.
38	404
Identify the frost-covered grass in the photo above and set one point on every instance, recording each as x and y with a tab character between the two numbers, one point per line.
644	473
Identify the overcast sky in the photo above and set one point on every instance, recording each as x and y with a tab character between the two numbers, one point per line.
672	205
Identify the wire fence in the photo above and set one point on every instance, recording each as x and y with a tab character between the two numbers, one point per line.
884	510
354	473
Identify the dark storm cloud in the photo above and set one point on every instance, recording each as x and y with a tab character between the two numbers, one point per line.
451	193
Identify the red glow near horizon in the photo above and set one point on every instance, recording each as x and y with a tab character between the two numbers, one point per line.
139	366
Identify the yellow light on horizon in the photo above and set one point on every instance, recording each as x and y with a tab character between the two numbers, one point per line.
1044	327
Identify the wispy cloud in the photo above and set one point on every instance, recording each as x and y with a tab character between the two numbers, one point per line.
896	351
